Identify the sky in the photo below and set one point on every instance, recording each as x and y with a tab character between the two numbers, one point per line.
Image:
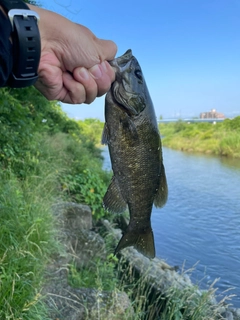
189	50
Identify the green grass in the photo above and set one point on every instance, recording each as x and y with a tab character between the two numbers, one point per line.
101	275
28	236
230	145
219	139
27	240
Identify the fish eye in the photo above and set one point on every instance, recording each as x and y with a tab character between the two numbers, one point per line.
138	74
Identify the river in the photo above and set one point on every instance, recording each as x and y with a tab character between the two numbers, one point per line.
200	224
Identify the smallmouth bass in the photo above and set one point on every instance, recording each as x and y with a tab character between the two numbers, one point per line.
133	139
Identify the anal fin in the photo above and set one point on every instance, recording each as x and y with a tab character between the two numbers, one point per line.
105	135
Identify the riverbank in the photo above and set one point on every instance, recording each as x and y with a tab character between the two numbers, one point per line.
221	138
44	157
93	283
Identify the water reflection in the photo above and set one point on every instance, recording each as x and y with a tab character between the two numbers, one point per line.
231	163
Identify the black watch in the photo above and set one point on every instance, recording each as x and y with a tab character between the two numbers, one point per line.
26	43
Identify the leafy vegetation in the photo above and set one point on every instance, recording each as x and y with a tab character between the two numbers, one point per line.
93	129
43	156
87	187
221	138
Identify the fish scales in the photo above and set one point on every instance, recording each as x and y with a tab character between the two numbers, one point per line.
132	135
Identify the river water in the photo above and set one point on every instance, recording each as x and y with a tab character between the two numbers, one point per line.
200	224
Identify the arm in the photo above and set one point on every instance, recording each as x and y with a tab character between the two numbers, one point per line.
73	67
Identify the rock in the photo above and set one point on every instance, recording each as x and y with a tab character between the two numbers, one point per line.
228	315
67	303
236	313
157	272
110	305
84	246
75	224
81	246
91	304
76	216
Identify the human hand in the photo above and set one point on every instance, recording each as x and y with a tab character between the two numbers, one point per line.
73	67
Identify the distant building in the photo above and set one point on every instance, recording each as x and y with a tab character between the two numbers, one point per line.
213	114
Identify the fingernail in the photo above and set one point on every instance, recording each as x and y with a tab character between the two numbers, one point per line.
96	71
83	73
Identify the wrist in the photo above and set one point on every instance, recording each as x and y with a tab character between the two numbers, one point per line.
25	40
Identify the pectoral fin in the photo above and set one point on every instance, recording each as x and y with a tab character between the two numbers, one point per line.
162	192
113	200
105	134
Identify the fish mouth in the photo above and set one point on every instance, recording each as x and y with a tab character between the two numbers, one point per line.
121	90
122	64
121	61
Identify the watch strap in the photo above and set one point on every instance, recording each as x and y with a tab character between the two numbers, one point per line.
13	4
26	43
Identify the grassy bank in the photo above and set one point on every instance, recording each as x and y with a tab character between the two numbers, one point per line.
28	238
220	139
44	157
64	170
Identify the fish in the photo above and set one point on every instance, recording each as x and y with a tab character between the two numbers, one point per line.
133	139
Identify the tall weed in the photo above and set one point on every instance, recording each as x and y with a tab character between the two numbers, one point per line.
27	239
221	138
230	145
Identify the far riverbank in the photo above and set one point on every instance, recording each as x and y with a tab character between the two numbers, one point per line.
221	138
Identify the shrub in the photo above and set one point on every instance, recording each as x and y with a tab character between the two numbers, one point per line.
88	188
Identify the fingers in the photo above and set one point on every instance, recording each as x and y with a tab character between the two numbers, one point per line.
83	86
96	80
103	75
73	92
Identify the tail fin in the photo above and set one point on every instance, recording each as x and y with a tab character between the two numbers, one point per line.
142	240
